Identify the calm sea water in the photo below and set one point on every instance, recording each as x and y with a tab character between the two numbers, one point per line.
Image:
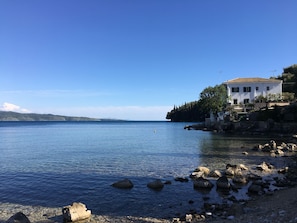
56	163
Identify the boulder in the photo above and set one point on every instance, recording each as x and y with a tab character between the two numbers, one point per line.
215	174
234	170
123	184
255	188
201	171
18	218
223	183
292	147
240	180
196	175
243	167
279	152
156	185
265	167
75	212
202	183
272	144
266	148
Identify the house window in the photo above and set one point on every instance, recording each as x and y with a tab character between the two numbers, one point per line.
246	101
257	88
235	89
235	101
267	88
247	89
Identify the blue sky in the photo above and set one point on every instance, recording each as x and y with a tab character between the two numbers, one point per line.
136	59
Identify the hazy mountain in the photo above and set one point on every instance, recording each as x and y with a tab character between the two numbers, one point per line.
15	116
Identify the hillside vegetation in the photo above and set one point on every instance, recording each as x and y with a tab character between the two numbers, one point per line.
14	116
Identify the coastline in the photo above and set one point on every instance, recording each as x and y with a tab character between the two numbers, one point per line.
273	207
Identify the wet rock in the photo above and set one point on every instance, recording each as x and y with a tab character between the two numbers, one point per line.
240	180
181	179
156	185
76	212
255	189
252	176
223	183
167	182
123	184
18	218
202	183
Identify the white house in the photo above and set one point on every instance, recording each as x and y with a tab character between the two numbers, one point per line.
246	90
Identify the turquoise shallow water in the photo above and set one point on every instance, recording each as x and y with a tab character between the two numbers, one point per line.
56	163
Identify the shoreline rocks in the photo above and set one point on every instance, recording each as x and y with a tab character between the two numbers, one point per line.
76	212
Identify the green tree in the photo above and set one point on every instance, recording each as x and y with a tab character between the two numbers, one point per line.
213	99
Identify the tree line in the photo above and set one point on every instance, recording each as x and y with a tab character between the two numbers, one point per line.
211	99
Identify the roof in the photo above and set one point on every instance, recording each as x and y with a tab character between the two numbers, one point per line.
253	80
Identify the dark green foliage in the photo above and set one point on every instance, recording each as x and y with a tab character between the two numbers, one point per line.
277	114
211	99
189	112
289	78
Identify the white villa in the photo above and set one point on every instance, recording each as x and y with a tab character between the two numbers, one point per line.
246	90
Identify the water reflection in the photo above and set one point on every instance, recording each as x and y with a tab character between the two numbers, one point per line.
219	150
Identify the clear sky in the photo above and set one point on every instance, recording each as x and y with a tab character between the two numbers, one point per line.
136	59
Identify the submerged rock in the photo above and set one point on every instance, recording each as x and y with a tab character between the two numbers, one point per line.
156	185
123	184
223	183
202	183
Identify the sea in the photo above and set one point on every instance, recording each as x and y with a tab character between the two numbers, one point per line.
54	164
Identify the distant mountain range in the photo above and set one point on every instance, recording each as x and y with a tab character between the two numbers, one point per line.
15	116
